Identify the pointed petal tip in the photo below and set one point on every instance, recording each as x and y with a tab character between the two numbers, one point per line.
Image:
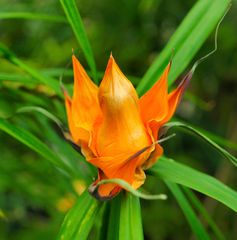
110	64
185	81
111	58
168	67
77	66
74	58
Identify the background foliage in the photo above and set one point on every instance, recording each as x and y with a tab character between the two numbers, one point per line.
34	195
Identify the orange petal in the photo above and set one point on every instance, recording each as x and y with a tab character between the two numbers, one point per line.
79	135
154	103
75	132
124	167
153	157
85	106
121	129
175	96
110	190
104	191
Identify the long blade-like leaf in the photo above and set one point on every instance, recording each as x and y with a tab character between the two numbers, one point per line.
192	219
75	21
216	138
186	41
104	229
125	221
201	209
172	171
16	78
34	143
79	220
33	16
130	216
48	81
114	219
205	138
51	135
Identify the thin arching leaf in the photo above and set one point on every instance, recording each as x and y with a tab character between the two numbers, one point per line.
129	188
194	131
80	218
190	215
33	16
201	210
173	171
37	76
214	137
186	41
34	143
76	23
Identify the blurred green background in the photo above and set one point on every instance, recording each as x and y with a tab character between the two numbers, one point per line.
34	195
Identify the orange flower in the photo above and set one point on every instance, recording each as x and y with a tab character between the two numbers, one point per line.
116	130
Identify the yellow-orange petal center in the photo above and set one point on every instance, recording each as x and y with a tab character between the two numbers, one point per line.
121	129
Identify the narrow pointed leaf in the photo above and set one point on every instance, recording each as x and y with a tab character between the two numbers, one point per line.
130	225
34	143
83	170
114	219
186	41
125	221
37	76
218	148
43	112
190	215
48	81
218	139
76	23
33	16
15	78
201	210
80	218
105	223
175	172
51	135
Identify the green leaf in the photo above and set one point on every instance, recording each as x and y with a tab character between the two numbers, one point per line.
125	222
40	78
190	215
65	151
130	227
16	78
85	171
175	172
114	218
186	41
32	16
198	205
76	23
205	138
219	140
80	218
104	229
129	188
43	112
34	143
